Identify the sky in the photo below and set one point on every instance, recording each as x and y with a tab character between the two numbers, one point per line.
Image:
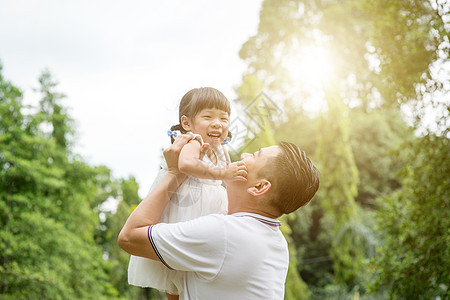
124	66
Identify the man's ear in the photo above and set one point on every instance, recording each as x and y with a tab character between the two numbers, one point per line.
185	123
260	188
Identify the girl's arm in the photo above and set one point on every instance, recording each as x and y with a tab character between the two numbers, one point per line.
190	164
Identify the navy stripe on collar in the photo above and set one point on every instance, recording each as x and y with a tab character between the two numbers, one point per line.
262	219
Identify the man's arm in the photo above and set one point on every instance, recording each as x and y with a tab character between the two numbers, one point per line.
133	237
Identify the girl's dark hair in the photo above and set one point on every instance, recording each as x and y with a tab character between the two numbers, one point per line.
196	100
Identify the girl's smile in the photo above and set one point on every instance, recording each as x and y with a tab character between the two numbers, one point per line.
211	124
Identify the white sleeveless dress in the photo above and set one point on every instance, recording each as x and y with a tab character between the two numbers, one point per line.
194	198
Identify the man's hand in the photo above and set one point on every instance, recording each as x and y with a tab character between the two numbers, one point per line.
205	148
172	153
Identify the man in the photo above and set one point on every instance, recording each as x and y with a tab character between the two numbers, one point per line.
239	256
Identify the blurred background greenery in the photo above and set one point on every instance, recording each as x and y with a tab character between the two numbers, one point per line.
363	87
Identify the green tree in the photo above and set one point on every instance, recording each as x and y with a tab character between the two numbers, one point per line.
339	178
372	44
384	54
374	137
128	199
295	286
52	112
47	201
414	257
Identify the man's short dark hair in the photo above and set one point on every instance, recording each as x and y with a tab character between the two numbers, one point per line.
294	178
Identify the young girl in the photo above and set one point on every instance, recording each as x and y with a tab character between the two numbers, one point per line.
203	112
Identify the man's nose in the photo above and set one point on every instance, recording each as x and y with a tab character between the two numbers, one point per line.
244	155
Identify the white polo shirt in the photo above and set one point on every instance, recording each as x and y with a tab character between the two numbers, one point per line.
239	256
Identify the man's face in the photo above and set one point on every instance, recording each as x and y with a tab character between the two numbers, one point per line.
254	162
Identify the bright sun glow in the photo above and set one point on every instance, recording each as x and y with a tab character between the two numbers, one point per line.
311	70
309	65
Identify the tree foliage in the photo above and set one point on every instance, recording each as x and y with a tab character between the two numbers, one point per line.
128	199
384	56
47	204
374	137
381	50
296	289
339	179
414	222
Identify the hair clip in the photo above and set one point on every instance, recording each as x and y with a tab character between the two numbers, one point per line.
172	133
226	141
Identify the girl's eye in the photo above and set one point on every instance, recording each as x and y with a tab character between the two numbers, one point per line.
224	120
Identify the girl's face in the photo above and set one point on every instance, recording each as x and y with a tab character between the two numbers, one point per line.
211	124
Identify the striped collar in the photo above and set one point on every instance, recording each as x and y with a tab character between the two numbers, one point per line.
262	219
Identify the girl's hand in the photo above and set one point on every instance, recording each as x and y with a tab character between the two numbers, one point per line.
236	171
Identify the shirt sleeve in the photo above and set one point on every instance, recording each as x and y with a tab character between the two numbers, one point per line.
197	245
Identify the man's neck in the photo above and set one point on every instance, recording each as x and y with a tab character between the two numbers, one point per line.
243	204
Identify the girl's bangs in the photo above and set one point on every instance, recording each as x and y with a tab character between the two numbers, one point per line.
209	98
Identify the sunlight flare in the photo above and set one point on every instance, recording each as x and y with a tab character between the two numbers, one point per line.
309	65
